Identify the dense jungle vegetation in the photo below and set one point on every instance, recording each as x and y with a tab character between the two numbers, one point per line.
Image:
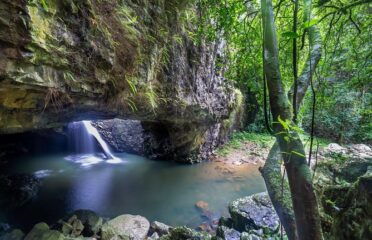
341	81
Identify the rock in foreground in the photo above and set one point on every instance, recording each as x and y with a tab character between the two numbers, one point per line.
41	231
126	226
253	213
91	222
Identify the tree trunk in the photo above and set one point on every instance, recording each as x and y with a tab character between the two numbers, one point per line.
279	192
299	175
271	171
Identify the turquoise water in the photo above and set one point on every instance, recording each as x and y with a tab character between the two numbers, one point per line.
162	191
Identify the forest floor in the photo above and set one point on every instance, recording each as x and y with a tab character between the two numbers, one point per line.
253	148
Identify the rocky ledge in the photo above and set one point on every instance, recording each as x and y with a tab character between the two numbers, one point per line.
343	180
251	218
64	61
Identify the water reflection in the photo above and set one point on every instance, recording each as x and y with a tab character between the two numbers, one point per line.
92	192
162	191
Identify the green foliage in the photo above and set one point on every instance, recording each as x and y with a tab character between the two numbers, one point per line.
44	5
341	115
310	23
342	82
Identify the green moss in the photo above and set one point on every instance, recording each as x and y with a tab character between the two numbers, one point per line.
184	233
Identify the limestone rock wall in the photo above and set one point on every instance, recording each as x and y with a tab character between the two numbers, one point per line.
63	60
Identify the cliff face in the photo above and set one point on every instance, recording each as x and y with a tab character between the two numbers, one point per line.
63	60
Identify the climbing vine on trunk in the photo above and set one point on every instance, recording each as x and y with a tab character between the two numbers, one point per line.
304	200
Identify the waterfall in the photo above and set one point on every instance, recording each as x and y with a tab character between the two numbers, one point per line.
84	137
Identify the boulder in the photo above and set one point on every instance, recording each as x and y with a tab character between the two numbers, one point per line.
182	233
334	148
253	213
351	210
16	234
126	226
160	228
16	190
224	221
227	233
202	206
153	236
91	222
73	227
247	236
338	163
41	231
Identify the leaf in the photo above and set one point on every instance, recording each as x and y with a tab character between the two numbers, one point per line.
298	154
132	105
310	23
132	86
44	5
290	34
283	123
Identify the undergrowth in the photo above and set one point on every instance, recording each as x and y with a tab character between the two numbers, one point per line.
239	138
263	140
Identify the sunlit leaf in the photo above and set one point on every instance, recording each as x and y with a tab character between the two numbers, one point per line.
310	23
298	154
290	34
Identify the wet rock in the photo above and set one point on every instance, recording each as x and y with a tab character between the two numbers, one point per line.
228	233
16	234
18	189
73	227
122	135
184	233
338	163
349	208
254	212
247	236
41	231
227	222
205	227
127	227
202	206
91	222
160	228
153	236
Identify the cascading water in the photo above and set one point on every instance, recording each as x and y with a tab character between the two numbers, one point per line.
83	138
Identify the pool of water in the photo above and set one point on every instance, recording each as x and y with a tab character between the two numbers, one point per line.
162	191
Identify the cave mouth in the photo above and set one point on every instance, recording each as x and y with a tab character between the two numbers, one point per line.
159	190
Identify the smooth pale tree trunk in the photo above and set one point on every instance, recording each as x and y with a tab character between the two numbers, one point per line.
292	150
278	190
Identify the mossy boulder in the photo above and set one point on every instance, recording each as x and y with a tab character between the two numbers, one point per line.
41	231
90	221
126	227
350	209
253	213
185	233
15	234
